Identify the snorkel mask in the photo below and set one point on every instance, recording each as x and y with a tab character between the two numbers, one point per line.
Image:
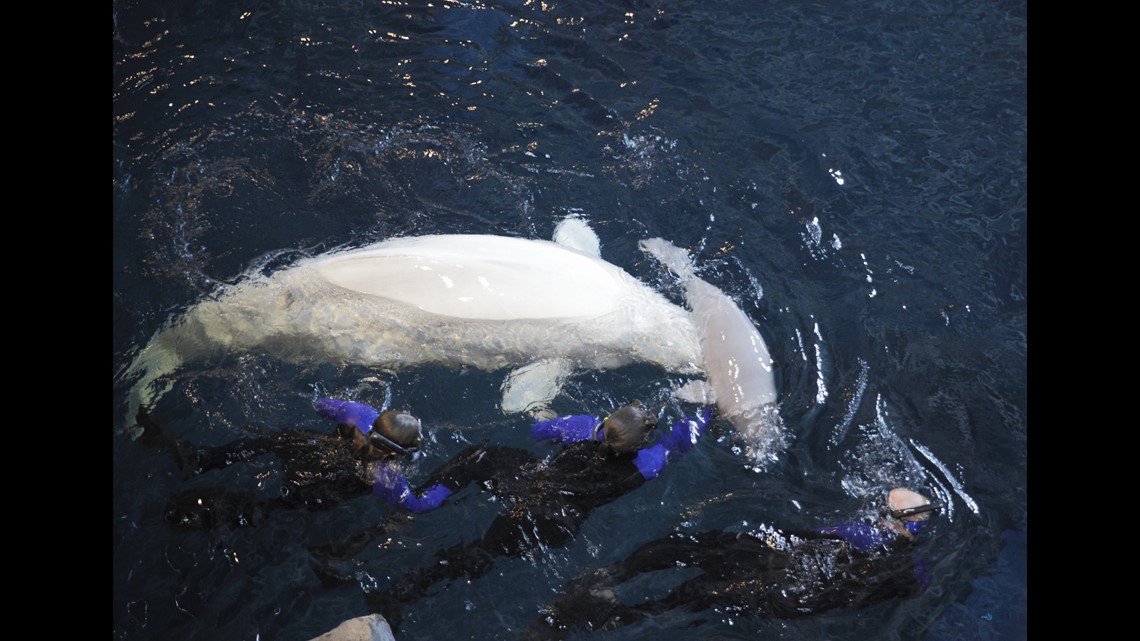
915	511
908	505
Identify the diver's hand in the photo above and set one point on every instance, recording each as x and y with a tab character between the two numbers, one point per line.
651	460
391	485
566	429
359	415
686	432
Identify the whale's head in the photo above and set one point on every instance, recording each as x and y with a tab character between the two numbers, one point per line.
760	431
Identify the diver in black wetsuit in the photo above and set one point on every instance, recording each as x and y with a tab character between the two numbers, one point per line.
547	500
767	572
320	470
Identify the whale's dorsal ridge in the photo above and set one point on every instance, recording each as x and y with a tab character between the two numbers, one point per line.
574	233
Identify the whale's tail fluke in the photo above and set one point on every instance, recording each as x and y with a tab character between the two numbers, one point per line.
154	362
673	257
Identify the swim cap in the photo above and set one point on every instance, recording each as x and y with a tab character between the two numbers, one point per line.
627	427
396	431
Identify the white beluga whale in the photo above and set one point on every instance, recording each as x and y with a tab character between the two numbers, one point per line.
540	309
737	364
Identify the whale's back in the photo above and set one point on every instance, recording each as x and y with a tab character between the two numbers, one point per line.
480	277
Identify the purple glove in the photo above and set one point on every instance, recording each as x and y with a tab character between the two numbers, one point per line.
392	486
358	415
686	432
567	429
684	435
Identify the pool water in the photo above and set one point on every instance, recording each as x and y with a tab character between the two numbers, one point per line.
853	175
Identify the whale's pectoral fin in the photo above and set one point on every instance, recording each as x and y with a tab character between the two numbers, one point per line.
531	388
698	391
574	233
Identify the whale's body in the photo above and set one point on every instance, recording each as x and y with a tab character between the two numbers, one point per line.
737	363
539	308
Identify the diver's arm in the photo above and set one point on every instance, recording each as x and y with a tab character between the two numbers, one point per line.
392	486
862	536
684	435
566	429
359	415
865	536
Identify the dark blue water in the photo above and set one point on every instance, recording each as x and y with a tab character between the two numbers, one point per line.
853	174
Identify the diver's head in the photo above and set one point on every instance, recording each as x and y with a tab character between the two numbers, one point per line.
908	505
626	428
397	432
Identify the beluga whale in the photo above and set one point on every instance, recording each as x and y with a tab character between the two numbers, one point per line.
539	309
737	364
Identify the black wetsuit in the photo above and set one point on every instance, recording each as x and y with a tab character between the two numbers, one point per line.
547	501
769	573
320	471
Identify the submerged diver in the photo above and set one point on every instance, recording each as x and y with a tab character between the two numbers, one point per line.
769	572
548	500
320	470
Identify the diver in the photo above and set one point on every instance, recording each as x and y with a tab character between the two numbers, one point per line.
320	470
547	500
768	572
